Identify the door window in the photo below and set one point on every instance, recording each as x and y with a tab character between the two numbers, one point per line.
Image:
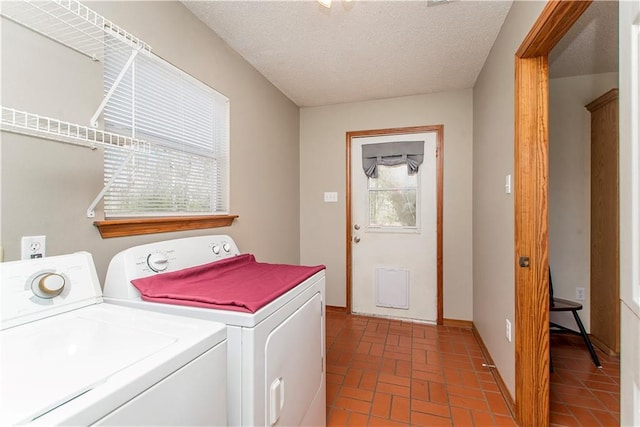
393	202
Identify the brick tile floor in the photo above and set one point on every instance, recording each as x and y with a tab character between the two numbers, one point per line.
580	393
390	373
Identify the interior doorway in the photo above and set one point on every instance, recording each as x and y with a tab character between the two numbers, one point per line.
531	209
583	218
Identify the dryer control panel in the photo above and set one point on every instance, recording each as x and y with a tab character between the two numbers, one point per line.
162	257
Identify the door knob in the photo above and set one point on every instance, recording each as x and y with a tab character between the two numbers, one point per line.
356	239
357	227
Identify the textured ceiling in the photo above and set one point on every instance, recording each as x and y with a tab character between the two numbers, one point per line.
591	45
363	50
358	50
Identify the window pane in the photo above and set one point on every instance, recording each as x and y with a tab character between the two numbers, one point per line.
185	171
393	177
162	181
392	208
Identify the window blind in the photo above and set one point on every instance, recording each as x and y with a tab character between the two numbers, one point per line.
186	170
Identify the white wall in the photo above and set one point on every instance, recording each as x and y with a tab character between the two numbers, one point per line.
570	187
493	210
47	186
629	98
323	168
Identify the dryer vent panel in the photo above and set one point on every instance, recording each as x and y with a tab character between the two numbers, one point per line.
392	288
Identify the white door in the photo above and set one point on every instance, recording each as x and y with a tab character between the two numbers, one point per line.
629	39
394	235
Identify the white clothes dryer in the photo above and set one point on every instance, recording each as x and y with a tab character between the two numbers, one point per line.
276	352
68	358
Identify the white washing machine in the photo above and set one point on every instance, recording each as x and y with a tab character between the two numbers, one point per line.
276	353
68	358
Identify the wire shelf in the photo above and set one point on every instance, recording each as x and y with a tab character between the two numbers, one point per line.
72	24
56	130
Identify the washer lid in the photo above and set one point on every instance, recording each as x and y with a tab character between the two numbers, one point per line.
49	362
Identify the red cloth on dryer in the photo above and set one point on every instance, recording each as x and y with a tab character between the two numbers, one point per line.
239	283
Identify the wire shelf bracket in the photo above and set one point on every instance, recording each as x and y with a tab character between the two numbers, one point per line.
72	24
91	209
114	86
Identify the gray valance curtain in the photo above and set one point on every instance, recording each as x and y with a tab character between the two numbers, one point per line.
391	154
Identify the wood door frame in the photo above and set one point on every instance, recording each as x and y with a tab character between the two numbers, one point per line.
531	163
439	130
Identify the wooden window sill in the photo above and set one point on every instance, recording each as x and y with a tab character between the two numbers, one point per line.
137	226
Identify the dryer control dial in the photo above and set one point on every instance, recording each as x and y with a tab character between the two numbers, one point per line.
226	247
216	249
48	285
157	262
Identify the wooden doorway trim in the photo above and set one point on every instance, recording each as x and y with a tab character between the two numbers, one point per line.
531	209
439	129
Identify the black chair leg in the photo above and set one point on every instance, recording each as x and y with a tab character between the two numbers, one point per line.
586	339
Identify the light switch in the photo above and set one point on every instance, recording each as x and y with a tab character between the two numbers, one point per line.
330	196
507	184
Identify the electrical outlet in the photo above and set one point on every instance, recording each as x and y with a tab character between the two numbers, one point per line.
580	294
508	330
33	247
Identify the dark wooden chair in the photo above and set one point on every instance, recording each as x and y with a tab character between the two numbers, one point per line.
559	304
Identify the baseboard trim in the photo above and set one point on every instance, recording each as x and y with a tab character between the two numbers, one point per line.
336	308
468	324
602	346
496	374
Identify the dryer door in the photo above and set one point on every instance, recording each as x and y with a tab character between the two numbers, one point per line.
294	364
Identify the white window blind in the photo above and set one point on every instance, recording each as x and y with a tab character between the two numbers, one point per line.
186	170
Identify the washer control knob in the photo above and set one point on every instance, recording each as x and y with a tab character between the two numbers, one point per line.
51	284
226	247
46	284
216	249
157	262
